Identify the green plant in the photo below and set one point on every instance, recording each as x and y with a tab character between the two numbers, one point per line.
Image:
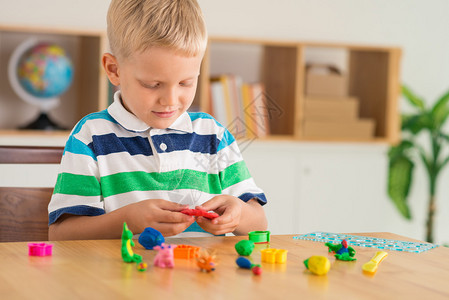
402	157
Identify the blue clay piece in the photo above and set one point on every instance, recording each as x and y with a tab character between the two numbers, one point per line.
243	262
150	237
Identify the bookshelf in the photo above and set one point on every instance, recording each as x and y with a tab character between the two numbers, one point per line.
280	66
371	78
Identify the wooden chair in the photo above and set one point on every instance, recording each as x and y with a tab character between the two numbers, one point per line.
24	210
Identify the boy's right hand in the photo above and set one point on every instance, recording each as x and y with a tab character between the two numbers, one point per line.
162	215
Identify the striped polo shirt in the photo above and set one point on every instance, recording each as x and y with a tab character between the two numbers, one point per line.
113	159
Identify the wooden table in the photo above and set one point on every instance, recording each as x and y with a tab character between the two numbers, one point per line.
95	270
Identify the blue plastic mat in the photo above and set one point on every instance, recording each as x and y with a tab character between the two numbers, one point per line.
366	241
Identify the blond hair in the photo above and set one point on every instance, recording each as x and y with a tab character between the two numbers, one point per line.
137	25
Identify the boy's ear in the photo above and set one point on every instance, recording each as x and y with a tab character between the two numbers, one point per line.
111	67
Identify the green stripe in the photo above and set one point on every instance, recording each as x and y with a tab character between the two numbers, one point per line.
142	181
119	183
72	184
233	174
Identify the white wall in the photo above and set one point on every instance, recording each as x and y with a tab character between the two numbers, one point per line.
322	187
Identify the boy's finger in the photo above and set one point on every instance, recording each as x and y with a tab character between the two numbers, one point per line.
172	206
174	217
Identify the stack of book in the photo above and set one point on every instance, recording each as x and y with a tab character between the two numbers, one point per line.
240	106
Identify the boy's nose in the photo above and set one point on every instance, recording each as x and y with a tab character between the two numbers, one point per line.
170	97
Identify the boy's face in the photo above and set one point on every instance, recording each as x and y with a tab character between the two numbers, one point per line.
157	85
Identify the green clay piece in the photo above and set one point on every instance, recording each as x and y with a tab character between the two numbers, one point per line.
345	257
128	254
244	247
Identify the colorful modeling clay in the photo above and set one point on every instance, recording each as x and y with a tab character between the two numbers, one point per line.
318	265
244	247
342	251
199	213
206	261
150	237
128	254
245	263
142	266
164	257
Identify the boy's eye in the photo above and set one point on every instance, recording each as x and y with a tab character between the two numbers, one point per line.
150	85
186	83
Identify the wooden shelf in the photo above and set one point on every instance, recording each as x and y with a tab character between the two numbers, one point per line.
372	71
373	77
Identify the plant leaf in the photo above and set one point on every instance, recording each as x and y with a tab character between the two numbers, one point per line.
413	98
418	122
440	110
399	181
400	150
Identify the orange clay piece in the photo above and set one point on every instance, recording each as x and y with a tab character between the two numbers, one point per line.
206	261
186	252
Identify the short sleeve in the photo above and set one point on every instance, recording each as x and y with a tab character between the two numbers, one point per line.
77	189
234	175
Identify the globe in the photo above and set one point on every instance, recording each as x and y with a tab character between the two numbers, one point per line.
45	71
39	72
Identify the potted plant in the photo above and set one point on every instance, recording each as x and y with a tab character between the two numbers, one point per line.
402	157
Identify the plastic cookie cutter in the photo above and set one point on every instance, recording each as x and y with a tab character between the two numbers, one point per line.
40	249
259	236
274	256
186	251
371	266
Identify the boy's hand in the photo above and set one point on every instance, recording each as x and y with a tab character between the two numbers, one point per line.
228	207
162	215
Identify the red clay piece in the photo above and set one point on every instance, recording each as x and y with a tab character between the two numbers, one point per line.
199	213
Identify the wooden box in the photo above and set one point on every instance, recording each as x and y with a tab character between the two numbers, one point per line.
362	129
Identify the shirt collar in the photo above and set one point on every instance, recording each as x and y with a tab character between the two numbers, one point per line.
130	122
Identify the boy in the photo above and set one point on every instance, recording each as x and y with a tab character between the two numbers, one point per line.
145	159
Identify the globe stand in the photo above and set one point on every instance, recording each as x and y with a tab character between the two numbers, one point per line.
43	122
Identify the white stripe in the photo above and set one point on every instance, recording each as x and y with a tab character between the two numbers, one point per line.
102	127
59	201
243	187
207	126
184	196
228	156
78	164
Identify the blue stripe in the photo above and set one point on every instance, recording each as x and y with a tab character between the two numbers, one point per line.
188	141
201	115
227	140
79	210
93	116
110	143
75	146
259	197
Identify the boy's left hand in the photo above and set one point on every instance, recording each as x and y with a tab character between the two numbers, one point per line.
228	207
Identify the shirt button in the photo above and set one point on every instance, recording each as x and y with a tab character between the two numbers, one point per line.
163	147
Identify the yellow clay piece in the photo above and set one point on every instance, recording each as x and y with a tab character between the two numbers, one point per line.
318	265
371	266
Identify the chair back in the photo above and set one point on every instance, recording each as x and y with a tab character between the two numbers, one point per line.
24	210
